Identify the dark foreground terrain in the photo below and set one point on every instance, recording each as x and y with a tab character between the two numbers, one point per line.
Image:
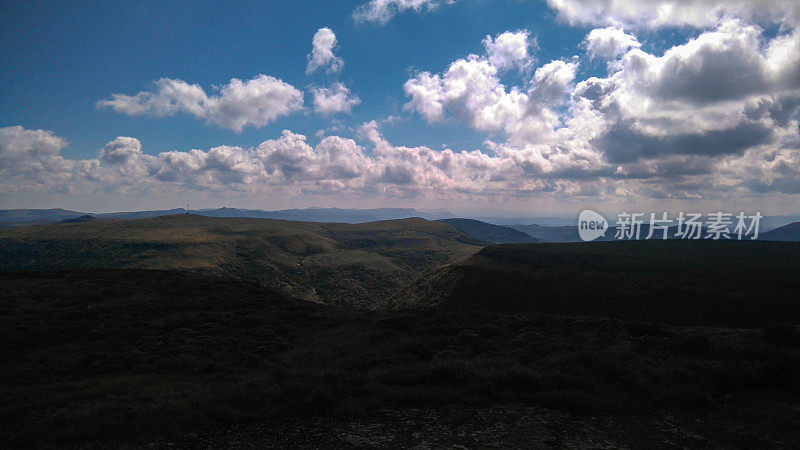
130	357
710	283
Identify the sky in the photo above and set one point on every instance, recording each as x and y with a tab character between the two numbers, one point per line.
481	107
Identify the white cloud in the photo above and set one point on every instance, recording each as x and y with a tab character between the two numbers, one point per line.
723	64
121	150
381	11
609	43
510	49
768	169
661	126
662	13
470	89
726	79
322	46
19	144
335	99
255	102
31	160
427	96
551	82
714	117
287	164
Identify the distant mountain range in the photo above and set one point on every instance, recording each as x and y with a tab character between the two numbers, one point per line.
489	229
23	217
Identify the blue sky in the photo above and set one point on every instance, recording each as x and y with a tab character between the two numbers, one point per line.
61	58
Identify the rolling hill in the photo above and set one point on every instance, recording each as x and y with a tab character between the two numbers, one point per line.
413	262
491	233
324	262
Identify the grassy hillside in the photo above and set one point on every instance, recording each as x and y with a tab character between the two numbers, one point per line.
491	233
680	282
329	262
158	359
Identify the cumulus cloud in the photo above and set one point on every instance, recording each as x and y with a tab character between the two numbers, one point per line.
713	117
623	143
335	99
381	11
31	160
427	96
256	102
724	64
552	82
510	49
717	81
276	166
673	125
695	118
18	144
121	150
471	90
322	46
777	172
609	43
663	13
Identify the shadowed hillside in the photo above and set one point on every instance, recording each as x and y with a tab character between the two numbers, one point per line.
789	232
329	262
748	283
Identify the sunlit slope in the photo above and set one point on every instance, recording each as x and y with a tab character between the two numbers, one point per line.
679	282
329	262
